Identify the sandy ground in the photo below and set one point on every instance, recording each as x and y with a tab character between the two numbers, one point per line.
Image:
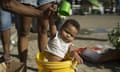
95	29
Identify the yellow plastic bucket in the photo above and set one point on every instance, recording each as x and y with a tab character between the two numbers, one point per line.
43	66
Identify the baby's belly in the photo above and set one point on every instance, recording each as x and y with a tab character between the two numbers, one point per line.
53	58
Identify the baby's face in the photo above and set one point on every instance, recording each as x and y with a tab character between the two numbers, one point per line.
68	33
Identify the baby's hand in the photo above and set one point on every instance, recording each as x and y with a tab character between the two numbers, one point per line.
77	58
51	11
53	8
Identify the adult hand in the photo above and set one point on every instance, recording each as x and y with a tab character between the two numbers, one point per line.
18	8
50	11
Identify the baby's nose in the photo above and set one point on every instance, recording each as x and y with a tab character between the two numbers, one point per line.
68	35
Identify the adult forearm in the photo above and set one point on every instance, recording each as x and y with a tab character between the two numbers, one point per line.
18	8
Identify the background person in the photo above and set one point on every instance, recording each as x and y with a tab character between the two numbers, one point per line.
23	27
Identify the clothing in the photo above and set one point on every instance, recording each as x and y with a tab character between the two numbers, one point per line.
119	4
36	3
57	46
5	20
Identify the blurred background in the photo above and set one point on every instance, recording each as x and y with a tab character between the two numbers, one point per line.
85	7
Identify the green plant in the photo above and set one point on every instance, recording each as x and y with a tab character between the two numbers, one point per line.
114	36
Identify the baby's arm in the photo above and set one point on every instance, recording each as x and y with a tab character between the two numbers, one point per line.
75	55
52	26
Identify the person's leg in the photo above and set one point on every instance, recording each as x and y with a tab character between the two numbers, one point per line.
23	31
5	36
42	33
5	25
43	22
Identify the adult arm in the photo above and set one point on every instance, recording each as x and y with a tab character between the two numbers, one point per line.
18	8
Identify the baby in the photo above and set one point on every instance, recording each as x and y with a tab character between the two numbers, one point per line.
60	42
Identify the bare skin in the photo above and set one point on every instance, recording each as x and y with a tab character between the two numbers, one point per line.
18	8
6	43
42	25
67	34
23	12
5	36
24	29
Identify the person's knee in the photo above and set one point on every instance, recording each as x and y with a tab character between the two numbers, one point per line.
44	29
23	33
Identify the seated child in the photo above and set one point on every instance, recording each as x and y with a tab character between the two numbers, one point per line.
60	42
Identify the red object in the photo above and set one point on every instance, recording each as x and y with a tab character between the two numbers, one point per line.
96	48
80	50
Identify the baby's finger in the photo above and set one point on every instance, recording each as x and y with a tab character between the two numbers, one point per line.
81	61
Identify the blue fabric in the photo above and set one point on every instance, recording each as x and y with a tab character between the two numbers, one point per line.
119	3
36	3
5	20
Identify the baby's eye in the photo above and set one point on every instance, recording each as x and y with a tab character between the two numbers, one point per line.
68	32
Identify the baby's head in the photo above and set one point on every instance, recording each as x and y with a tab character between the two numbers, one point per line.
69	30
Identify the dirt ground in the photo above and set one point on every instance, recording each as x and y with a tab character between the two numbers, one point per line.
93	33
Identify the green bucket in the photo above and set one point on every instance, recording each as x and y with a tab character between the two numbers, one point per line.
65	8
